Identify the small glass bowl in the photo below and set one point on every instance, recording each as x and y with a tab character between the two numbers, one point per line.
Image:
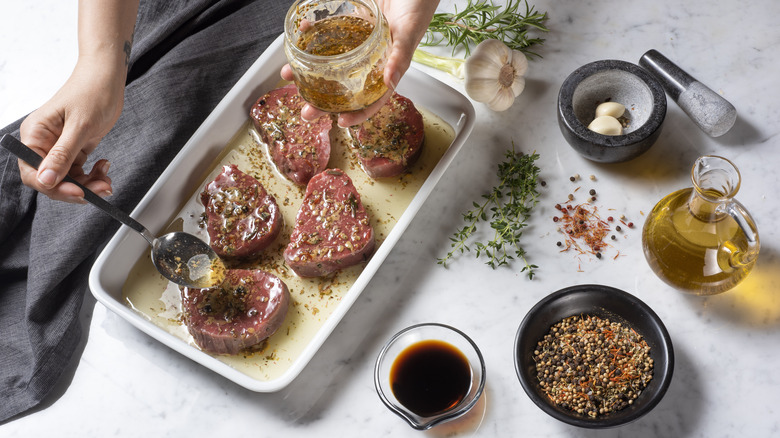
424	332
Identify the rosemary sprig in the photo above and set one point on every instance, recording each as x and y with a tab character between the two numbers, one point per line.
510	204
482	20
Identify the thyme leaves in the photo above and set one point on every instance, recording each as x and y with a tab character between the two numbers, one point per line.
507	208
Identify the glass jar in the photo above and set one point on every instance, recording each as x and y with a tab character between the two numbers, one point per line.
337	51
701	239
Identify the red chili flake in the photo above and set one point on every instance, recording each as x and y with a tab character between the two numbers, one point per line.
555	219
585	231
630	225
610	219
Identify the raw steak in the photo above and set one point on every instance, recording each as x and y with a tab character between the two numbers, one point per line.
245	310
241	217
391	141
332	229
299	149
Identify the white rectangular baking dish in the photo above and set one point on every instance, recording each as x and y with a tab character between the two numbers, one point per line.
187	173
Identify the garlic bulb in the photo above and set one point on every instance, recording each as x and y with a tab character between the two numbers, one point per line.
494	74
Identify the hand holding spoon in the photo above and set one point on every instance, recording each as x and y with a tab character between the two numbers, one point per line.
180	257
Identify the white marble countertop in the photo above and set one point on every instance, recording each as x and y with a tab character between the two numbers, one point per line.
725	379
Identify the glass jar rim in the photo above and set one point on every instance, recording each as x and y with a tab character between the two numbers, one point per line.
288	30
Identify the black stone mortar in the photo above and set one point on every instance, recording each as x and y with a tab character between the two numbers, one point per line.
615	81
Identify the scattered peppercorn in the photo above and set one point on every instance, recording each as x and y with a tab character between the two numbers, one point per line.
613	237
617	228
592	192
559	243
598	255
592	198
543	183
630	225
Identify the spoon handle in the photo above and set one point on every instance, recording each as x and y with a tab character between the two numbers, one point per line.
23	152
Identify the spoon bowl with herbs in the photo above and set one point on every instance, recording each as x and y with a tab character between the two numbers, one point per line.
180	257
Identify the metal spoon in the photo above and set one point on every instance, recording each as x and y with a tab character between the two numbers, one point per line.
180	257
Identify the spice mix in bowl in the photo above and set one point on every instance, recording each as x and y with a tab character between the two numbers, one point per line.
593	356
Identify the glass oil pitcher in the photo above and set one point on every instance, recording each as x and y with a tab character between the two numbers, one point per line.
700	239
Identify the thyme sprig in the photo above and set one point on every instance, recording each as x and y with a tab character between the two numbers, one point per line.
481	20
510	204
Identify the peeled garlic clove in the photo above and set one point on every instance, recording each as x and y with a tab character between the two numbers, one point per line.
612	109
606	125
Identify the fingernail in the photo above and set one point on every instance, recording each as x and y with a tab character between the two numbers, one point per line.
394	80
106	193
47	178
106	166
76	200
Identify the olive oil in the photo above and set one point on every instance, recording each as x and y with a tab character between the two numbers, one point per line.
430	377
701	252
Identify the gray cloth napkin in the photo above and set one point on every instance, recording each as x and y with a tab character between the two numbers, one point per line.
186	55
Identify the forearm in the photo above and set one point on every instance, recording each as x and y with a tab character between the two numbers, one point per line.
105	33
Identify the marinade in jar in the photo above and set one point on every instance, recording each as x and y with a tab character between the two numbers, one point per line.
338	61
335	35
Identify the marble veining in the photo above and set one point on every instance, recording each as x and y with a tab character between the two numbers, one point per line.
124	383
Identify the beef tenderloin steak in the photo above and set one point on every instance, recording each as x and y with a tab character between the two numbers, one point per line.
242	218
298	148
332	229
247	308
391	141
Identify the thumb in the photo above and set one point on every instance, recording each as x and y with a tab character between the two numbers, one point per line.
400	57
59	159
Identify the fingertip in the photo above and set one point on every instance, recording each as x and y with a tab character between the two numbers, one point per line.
310	113
286	72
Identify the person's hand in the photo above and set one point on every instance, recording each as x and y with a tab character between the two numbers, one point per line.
408	21
67	128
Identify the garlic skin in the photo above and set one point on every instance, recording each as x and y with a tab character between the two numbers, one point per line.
494	74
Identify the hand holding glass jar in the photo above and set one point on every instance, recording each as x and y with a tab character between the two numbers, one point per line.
347	56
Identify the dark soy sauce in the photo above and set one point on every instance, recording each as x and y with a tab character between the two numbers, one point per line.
430	377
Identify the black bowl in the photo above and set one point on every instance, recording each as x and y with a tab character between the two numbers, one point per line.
616	81
604	302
